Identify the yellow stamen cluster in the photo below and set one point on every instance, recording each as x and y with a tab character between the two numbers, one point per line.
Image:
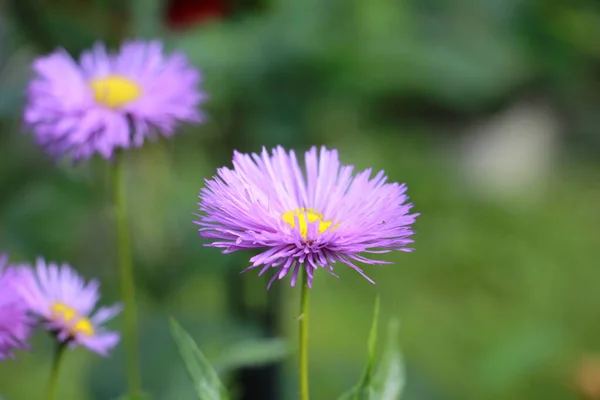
67	314
305	216
115	91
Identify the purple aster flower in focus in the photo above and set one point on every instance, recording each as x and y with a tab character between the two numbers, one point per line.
15	324
65	304
109	100
304	218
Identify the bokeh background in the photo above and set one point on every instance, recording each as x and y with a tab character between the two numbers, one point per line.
488	109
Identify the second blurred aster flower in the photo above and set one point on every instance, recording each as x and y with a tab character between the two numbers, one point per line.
65	303
110	100
15	325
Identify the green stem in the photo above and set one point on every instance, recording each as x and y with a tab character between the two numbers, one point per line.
126	274
53	383
304	312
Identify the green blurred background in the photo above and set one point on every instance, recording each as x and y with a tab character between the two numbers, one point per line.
487	109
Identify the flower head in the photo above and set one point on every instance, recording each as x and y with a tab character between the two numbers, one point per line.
304	219
15	324
64	302
110	100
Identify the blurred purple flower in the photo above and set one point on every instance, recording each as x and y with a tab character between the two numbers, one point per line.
60	297
15	324
304	219
110	100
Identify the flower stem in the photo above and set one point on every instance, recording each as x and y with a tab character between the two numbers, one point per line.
53	383
125	266
304	312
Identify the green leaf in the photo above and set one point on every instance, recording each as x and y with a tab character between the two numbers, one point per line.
371	347
205	379
389	380
361	390
252	352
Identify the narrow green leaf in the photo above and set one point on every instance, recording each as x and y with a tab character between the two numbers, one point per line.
371	346
389	379
205	379
361	391
252	352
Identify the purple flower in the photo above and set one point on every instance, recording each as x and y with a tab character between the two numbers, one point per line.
60	297
304	219
110	100
15	324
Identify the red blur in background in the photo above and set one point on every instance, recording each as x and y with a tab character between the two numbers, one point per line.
184	14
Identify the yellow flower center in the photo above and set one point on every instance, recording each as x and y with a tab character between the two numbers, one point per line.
63	312
306	216
115	91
